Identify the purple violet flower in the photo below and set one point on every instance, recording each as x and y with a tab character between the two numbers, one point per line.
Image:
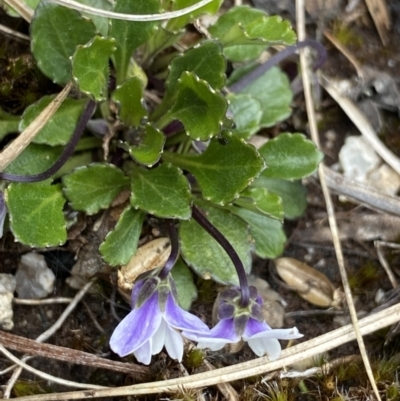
247	323
154	321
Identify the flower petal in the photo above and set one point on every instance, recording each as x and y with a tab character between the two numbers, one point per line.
136	328
281	334
223	332
173	343
143	353
254	327
180	319
158	339
269	346
211	346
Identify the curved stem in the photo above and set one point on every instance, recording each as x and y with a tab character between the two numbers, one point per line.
277	58
228	248
175	249
65	155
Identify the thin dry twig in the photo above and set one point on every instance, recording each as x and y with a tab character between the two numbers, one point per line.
226	389
258	366
32	347
46	376
300	14
25	137
48	333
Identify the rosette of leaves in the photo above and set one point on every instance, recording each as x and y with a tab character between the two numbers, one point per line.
168	155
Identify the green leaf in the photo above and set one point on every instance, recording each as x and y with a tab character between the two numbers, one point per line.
163	191
92	188
149	150
260	200
198	107
121	243
8	123
185	287
101	23
35	159
290	156
273	92
90	67
55	32
246	113
245	32
131	34
60	127
225	169
268	233
203	253
178	23
205	60
293	194
129	95
36	213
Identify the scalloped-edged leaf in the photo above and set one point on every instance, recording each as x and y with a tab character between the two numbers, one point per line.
90	67
246	113
273	92
293	194
129	96
8	123
185	287
163	191
34	159
225	169
203	253
178	23
198	107
260	200
205	60
60	127
55	33
36	213
121	243
94	187
131	34
245	32
148	151
267	232
290	156
101	23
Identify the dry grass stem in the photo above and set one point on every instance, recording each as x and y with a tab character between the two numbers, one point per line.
12	151
47	334
369	197
46	376
21	8
380	14
129	17
258	366
14	34
301	31
379	245
361	122
48	301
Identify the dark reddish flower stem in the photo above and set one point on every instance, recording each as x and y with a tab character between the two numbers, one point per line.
65	155
175	249
228	248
